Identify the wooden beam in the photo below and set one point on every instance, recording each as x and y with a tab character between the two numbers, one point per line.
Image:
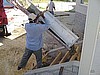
57	58
53	50
79	56
44	58
65	57
75	55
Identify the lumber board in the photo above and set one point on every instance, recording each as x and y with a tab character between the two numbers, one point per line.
44	58
56	58
17	33
64	57
79	56
52	50
75	55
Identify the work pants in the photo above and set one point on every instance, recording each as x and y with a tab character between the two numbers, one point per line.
27	54
2	30
52	12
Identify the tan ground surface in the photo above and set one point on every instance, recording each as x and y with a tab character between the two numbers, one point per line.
12	50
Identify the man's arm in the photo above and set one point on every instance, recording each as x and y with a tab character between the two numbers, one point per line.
41	14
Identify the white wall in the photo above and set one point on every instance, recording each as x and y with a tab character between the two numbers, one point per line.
81	8
90	57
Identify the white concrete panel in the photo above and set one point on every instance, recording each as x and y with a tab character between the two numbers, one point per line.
61	30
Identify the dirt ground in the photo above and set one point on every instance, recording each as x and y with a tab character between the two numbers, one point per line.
12	50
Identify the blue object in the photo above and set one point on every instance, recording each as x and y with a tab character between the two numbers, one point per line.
34	40
7	4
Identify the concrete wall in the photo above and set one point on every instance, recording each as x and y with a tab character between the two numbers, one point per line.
80	18
79	26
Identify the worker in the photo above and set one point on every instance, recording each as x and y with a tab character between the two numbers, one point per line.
34	40
3	21
51	7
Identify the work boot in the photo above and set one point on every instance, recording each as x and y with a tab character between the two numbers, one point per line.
19	68
7	34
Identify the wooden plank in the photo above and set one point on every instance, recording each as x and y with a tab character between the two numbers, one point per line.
44	58
16	33
56	59
53	50
64	57
79	56
75	55
78	44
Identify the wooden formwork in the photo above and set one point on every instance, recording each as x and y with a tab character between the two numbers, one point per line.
61	56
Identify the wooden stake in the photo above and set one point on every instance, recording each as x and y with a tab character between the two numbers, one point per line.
57	58
75	55
65	57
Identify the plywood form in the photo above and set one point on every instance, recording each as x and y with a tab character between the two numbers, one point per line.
77	52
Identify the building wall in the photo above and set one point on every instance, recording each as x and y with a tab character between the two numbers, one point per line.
80	18
79	26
